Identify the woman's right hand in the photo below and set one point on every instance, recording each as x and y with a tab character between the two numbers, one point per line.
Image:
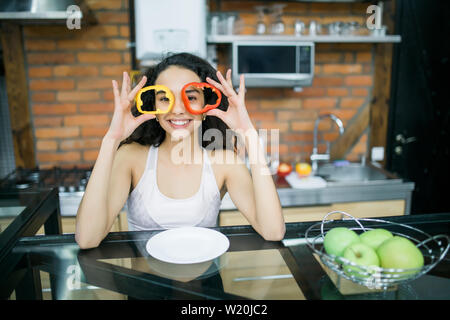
123	122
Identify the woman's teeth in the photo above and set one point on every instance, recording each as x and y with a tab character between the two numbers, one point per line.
179	122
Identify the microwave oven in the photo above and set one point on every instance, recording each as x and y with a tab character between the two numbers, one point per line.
273	64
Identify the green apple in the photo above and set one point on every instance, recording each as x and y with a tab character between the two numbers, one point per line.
374	238
339	238
362	255
400	253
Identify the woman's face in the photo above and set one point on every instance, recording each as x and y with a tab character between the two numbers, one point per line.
179	123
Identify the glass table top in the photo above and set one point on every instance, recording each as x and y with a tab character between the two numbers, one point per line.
13	203
8	212
252	268
253	274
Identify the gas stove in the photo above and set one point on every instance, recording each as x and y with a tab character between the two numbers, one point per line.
71	184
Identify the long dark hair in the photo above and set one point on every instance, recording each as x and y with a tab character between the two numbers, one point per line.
150	132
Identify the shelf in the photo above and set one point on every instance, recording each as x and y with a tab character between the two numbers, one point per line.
311	1
317	39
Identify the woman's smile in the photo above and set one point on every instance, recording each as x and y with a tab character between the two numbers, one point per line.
179	123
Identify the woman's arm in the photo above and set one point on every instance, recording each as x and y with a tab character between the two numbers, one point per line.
254	195
108	186
105	195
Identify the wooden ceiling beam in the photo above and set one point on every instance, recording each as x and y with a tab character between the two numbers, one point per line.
17	91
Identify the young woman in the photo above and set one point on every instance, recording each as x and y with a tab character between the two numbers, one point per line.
138	161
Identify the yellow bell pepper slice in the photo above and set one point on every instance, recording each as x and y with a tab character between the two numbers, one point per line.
157	88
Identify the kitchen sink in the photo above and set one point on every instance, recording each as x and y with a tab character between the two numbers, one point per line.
353	172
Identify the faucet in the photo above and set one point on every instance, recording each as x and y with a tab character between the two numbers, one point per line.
316	157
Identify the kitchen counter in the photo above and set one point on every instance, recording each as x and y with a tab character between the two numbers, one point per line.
290	197
338	192
388	189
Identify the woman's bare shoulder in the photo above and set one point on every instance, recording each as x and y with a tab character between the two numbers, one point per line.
133	147
132	152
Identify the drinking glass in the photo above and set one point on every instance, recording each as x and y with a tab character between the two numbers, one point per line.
277	26
260	25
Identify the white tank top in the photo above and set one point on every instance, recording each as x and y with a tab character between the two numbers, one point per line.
149	209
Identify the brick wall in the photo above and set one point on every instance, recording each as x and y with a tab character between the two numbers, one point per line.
70	73
342	83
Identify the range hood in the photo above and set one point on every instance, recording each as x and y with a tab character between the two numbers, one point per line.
43	11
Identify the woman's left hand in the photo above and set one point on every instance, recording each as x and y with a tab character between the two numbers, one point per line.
236	116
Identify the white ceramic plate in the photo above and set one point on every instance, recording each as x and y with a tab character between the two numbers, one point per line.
187	245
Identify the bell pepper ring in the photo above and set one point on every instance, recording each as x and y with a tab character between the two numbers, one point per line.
200	85
157	89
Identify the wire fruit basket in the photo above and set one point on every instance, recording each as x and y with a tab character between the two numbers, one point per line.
433	248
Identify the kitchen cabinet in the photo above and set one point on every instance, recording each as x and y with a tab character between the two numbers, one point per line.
363	209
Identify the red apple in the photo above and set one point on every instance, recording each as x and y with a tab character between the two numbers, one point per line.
284	169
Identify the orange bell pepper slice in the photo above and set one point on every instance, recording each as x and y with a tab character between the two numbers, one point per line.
200	85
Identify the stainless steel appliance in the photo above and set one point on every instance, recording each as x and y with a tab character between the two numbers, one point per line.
71	184
44	11
274	63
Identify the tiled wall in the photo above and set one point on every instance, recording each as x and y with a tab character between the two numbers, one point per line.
70	73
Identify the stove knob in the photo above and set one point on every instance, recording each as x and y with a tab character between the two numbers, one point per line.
62	189
81	188
71	188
